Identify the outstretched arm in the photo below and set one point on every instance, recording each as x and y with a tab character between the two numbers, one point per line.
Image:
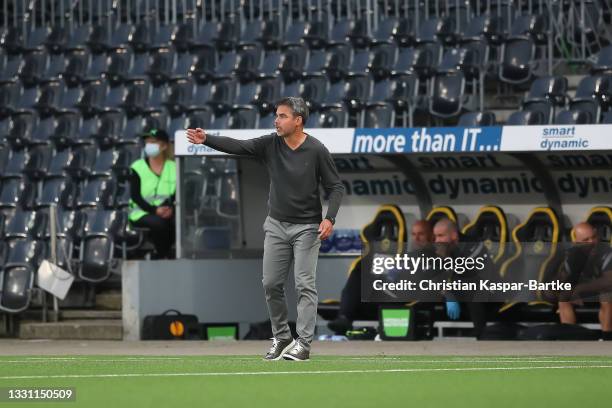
250	147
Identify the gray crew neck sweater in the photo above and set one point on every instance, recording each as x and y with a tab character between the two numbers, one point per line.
295	175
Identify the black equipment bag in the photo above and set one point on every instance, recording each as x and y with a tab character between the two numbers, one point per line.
170	325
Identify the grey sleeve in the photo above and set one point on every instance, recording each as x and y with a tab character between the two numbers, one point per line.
249	147
331	182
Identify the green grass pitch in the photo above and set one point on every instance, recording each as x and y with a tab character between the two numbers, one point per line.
325	381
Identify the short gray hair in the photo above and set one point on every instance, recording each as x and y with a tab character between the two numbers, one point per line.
297	105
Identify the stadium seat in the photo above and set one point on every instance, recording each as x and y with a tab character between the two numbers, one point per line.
128	154
403	95
316	35
82	161
251	33
179	96
438	213
548	88
593	95
379	115
434	30
38	162
162	67
49	98
141	37
383	60
271	35
26	224
22	127
470	119
162	37
183	37
96	250
314	89
58	190
447	95
59	161
99	192
92	98
243	117
65	133
204	65
384	34
574	117
12	41
201	118
227	36
17	276
490	227
338	62
339	32
331	117
268	93
105	161
119	66
534	247
294	34
33	69
251	59
223	94
358	34
293	62
55	67
16	162
57	39
519	53
607	118
227	66
603	64
413	60
526	118
36	40
17	192
10	65
386	233
485	26
77	38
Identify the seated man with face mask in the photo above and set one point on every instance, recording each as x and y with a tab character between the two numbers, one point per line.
152	192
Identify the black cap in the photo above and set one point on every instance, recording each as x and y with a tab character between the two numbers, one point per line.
159	134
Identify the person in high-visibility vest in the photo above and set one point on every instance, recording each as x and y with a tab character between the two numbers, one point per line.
152	192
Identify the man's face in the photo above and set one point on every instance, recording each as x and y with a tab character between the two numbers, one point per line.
420	236
443	235
286	122
586	236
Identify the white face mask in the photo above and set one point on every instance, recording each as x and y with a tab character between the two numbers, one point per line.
152	149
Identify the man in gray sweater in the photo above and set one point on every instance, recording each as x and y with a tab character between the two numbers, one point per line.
298	164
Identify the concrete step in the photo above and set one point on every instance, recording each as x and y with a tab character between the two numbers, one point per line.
102	329
87	314
110	300
72	314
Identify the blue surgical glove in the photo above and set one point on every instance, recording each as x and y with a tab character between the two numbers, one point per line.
453	310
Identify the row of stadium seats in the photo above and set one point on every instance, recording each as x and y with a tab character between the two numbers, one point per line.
231	34
87	241
111	115
423	54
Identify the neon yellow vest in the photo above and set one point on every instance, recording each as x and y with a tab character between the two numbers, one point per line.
153	188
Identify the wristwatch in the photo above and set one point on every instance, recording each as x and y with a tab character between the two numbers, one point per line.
331	219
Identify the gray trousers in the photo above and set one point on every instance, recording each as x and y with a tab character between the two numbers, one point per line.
285	244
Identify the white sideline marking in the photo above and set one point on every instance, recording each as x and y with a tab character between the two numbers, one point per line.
257	373
258	359
334	359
